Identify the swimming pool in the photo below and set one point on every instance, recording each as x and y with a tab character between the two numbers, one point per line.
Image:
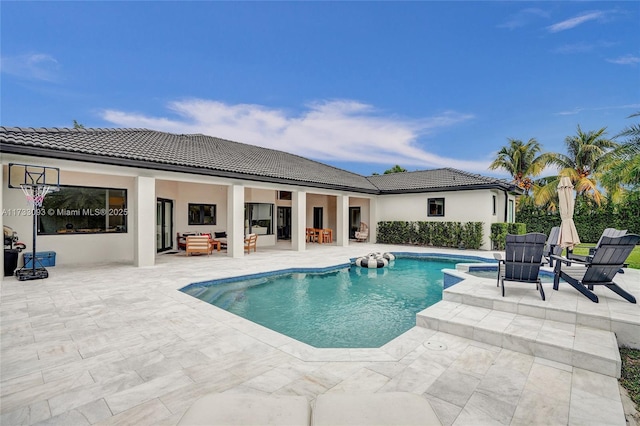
342	307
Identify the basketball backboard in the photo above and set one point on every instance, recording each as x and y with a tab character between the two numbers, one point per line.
25	174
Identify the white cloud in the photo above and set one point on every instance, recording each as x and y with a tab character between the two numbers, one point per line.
578	110
625	60
575	21
523	17
35	66
338	130
582	47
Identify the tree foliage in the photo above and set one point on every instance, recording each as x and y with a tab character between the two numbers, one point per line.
588	154
623	171
521	161
395	169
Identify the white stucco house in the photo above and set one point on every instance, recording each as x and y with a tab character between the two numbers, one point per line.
159	184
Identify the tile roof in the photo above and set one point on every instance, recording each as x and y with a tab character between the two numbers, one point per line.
435	180
207	155
186	153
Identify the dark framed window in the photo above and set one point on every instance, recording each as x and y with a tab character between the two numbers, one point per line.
202	214
436	207
495	205
511	212
83	210
284	195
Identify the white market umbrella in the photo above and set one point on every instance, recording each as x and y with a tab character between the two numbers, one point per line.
568	234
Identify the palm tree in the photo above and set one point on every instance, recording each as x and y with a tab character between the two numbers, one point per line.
588	155
623	172
521	161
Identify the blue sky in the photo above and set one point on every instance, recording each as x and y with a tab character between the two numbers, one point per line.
359	85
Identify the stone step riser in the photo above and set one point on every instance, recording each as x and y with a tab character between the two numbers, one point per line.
608	364
627	332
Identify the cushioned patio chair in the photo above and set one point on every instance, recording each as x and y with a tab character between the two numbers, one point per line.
609	232
551	246
600	269
523	258
363	233
198	244
251	242
221	237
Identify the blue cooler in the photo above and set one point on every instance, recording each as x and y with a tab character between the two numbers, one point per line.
43	259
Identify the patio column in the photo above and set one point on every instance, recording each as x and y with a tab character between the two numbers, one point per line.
144	226
342	220
373	219
298	220
2	216
235	221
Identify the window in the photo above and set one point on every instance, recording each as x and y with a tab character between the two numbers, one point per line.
494	205
258	218
84	210
510	212
202	214
436	207
284	195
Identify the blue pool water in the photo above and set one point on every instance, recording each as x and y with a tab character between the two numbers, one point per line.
346	307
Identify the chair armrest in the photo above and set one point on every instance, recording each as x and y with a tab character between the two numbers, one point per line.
561	259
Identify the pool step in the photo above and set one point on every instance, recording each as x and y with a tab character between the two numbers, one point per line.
569	343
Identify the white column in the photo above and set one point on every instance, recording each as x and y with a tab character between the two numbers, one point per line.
144	238
235	221
342	222
298	220
2	192
373	219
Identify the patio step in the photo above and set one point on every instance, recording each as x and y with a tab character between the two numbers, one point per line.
624	321
569	343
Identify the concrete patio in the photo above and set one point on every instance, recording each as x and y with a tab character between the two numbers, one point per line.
114	344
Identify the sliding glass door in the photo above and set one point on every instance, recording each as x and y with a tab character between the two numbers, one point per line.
164	225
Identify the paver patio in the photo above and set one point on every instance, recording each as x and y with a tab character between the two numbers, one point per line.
115	344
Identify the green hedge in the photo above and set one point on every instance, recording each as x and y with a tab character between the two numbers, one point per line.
439	234
589	218
500	230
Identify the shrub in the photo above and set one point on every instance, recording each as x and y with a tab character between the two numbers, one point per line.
439	234
589	218
500	230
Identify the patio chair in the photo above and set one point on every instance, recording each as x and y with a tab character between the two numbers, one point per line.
251	242
198	244
609	232
363	233
326	236
600	269
312	235
551	246
523	258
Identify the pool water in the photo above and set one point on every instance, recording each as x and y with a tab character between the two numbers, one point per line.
349	307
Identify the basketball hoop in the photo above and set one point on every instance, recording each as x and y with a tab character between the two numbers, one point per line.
36	182
35	194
